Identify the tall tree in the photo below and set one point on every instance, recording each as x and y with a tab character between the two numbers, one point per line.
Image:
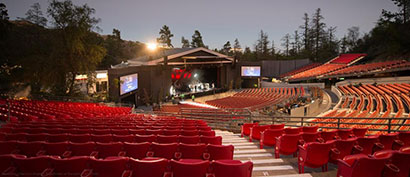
306	32
403	16
185	42
197	40
3	12
296	42
353	35
237	48
273	49
35	15
226	49
286	43
318	29
165	37
79	50
343	44
262	45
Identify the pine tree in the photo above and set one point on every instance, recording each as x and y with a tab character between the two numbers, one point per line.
261	47
227	48
286	43
197	40
318	29
165	37
185	42
35	15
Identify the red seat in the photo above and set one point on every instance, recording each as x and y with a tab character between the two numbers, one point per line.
148	168
229	168
113	166
81	149
109	149
69	167
360	165
167	139
58	137
311	137
191	151
206	133
344	133
277	126
256	132
34	166
405	138
387	140
189	139
8	147
189	132
216	140
268	137
163	150
137	131
219	152
154	132
311	129
37	137
104	138
136	150
246	128
124	138
290	130
101	131
55	149
145	138
328	135
6	161
172	132
189	168
79	138
366	145
314	155
359	132
344	148
405	149
30	149
400	160
287	144
16	136
120	132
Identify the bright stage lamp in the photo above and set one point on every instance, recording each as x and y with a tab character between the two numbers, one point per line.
152	46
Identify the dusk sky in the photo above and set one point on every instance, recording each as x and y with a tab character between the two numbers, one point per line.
220	20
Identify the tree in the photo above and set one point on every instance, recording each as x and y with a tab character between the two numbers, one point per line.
226	48
261	47
273	49
185	42
306	30
165	37
296	42
318	29
343	45
79	49
35	15
353	36
403	16
286	43
197	40
236	48
3	12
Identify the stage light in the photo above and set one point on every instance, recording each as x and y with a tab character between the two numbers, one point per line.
152	46
195	75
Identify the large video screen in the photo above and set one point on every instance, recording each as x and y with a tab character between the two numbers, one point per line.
252	71
128	83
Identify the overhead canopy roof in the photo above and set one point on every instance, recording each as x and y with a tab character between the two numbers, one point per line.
179	56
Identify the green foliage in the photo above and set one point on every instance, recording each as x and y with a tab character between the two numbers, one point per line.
185	42
197	40
165	37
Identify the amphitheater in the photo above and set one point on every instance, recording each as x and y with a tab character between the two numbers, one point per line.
358	126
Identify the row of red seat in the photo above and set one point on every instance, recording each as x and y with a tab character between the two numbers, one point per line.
301	69
368	67
122	166
111	138
107	129
104	150
387	163
317	71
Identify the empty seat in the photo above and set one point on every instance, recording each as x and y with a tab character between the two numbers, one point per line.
400	160
366	145
56	149
343	149
290	130
328	135
171	132
189	168
145	138
105	138
256	131
70	167
153	132
277	126
120	131
268	137
311	137
37	137
109	149
189	132
79	138
359	132
360	165
228	168
310	129
163	150
82	149
191	151
189	139
387	140
34	166
206	133
287	144
137	131
16	136
314	155
6	161
344	133
8	147
216	140
58	137
124	138
167	139
136	150
113	166
101	131
30	149
219	152
148	168
246	128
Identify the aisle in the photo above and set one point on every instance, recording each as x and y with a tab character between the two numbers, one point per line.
264	162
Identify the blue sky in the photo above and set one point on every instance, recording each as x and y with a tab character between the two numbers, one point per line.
220	20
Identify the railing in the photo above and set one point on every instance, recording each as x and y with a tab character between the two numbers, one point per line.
231	120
